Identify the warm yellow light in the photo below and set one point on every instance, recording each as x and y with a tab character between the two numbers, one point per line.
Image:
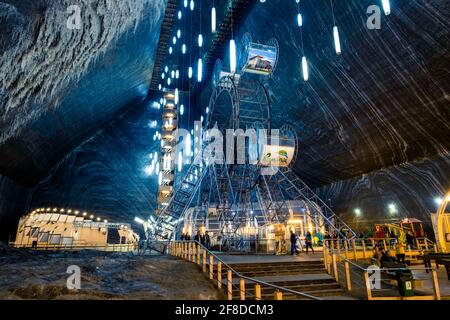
294	221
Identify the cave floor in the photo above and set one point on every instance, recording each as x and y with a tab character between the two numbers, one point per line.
43	276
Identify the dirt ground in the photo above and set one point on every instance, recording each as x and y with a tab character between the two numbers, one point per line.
42	275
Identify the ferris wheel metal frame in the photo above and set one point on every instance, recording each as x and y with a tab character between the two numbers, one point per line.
233	188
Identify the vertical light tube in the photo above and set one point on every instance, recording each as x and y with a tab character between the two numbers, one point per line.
182	109
190	72
213	20
200	40
299	19
337	41
180	161
187	145
176	96
386	7
192	5
200	70
232	56
183	49
305	69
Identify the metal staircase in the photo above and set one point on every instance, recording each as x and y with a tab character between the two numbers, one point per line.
296	189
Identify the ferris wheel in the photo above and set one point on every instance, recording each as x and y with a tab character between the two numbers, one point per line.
255	174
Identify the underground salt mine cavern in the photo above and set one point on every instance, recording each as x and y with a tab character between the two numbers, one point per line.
225	150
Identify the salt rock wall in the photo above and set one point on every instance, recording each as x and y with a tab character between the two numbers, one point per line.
106	175
58	86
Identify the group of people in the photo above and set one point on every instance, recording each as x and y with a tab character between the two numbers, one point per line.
296	245
384	257
203	239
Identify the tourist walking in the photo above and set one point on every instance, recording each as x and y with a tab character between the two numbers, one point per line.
308	242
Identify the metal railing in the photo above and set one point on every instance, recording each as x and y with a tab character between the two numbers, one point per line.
195	252
356	278
77	247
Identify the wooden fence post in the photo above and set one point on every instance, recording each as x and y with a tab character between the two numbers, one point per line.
204	261
364	248
199	252
242	289
325	262
219	275
347	276
229	285
257	291
436	290
335	270
355	257
211	266
367	282
278	295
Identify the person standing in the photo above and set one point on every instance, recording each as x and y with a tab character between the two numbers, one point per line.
400	250
308	242
293	242
198	237
207	240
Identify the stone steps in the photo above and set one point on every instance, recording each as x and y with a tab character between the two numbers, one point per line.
302	276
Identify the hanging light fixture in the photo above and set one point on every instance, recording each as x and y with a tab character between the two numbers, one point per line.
337	42
200	40
178	33
179	15
299	19
386	7
170	50
305	69
177	96
180	161
185	3
232	56
200	70
183	48
182	109
177	74
192	5
174	40
190	72
213	19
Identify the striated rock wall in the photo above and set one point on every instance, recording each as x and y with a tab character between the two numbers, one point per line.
42	57
59	86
